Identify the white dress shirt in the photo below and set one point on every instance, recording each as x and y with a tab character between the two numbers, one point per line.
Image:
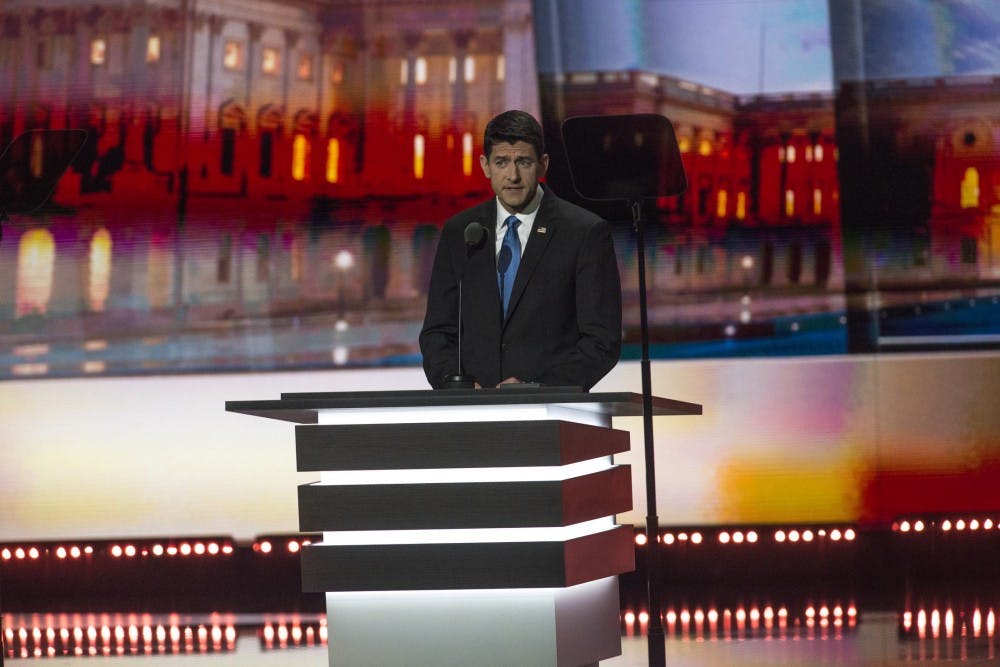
527	219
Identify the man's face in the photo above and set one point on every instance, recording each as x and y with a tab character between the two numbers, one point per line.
514	171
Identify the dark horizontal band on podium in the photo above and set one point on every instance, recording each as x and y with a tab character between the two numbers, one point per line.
453	445
552	503
398	567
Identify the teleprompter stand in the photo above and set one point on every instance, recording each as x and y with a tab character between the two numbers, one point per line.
632	158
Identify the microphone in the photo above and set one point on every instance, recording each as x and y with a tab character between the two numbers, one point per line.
475	233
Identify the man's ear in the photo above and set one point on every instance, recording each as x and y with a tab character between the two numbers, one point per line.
485	164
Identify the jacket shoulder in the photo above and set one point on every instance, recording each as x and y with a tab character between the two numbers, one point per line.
574	214
483	213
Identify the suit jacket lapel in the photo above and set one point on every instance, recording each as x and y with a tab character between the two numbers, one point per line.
541	233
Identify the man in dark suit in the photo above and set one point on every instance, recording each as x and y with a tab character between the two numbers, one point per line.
541	293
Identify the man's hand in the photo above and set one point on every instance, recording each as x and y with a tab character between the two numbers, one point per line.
511	380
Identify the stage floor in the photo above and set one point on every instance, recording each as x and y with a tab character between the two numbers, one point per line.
262	641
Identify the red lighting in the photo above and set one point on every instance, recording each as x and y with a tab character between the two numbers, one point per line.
293	546
227	549
960	524
918	526
643	617
752	536
849	534
61	553
696	538
630	617
116	551
807	536
946	525
668	538
738	537
199	548
185	549
130	550
6	554
640	539
779	536
213	548
793	536
265	547
724	537
158	550
904	526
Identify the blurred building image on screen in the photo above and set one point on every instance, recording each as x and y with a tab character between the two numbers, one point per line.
263	188
254	177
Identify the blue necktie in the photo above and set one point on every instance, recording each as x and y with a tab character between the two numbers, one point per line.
508	261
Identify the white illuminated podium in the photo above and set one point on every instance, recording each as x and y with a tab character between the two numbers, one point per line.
465	527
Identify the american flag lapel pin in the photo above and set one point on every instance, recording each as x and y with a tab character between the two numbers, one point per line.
541	230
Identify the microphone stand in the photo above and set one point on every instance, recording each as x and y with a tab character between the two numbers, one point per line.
461	380
474	234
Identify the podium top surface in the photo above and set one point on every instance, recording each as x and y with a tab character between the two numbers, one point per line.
303	408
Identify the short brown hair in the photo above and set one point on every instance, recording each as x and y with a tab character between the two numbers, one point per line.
513	126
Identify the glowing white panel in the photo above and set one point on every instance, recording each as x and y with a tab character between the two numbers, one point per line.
463	475
470	413
468	535
538	626
967	339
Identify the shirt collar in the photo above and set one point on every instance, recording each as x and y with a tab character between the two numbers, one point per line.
525	216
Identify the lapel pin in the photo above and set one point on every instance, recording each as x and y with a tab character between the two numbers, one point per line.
541	230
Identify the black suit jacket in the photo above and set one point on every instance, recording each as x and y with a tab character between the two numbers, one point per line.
564	321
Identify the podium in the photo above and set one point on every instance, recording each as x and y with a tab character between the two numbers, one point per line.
465	527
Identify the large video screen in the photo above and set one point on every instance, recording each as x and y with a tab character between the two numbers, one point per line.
262	190
265	191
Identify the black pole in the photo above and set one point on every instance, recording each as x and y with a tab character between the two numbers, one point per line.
3	642
655	636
